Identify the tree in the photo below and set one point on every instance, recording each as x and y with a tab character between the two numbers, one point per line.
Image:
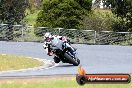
34	5
123	10
96	3
63	13
99	20
11	12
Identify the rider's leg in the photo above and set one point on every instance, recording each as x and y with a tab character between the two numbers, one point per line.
69	47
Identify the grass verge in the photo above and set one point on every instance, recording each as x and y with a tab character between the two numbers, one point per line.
31	18
59	83
12	62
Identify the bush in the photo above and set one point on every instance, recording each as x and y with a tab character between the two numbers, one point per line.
63	13
99	20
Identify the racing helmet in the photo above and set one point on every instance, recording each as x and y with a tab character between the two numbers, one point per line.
47	36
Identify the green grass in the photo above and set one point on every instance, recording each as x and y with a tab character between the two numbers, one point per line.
31	18
12	62
59	84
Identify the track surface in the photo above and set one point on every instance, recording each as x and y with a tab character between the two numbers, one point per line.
94	58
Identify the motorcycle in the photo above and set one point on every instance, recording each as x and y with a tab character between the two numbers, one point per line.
67	55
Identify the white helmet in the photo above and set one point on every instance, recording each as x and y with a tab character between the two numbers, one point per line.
48	35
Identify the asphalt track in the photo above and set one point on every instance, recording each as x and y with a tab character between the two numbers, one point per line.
94	58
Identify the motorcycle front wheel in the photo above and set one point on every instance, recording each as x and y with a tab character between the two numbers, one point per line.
75	61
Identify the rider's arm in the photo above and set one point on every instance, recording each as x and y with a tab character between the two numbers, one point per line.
47	47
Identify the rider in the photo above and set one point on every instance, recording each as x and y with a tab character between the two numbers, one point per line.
59	42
